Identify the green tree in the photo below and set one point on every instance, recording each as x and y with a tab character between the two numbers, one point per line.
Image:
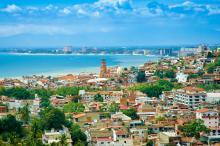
150	143
64	91
210	55
170	74
114	107
132	113
9	124
141	77
193	128
77	135
17	92
63	140
24	114
98	98
79	143
36	128
44	102
74	107
53	118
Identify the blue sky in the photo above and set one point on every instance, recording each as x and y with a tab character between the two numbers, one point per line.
51	23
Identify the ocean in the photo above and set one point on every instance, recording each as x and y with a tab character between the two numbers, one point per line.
17	65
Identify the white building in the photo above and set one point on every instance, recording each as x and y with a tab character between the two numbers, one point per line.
181	77
120	115
211	121
213	97
106	95
190	96
54	136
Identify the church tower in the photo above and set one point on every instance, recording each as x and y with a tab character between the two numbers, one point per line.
103	69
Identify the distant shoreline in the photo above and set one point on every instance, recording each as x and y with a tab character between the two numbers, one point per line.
72	54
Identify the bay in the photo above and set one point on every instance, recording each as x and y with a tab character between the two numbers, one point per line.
17	65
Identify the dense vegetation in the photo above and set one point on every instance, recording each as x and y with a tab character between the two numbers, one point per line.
165	73
74	107
132	113
194	128
211	66
141	77
12	131
154	89
25	93
209	87
98	98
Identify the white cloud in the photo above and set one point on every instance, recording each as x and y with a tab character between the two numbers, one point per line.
65	11
11	8
213	10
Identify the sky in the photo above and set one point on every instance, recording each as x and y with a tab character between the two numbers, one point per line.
52	23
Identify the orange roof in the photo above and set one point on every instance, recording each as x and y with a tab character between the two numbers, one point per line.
79	115
193	89
203	110
69	77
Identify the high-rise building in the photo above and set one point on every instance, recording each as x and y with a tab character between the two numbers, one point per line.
103	69
164	52
67	49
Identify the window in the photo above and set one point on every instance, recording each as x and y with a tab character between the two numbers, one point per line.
102	142
124	141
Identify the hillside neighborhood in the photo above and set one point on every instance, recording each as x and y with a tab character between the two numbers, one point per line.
171	102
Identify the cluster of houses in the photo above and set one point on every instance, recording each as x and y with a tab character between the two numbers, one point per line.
158	119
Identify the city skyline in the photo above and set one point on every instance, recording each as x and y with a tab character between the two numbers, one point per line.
47	23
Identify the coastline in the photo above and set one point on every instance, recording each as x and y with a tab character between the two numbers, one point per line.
76	69
73	54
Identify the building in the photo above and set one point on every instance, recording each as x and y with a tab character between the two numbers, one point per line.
103	69
211	120
165	52
190	96
54	136
166	138
106	95
181	77
67	49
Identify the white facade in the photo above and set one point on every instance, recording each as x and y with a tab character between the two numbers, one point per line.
211	120
190	99
106	95
181	77
54	136
213	97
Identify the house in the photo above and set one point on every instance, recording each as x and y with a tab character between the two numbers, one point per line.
166	138
59	101
120	115
181	77
211	120
106	95
54	136
100	137
87	118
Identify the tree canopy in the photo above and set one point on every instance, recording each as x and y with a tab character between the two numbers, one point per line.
98	98
141	77
194	128
154	89
132	113
74	107
52	118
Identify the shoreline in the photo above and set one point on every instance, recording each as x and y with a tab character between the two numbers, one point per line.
75	71
74	54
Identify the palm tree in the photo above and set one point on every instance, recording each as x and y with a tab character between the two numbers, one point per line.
63	140
24	113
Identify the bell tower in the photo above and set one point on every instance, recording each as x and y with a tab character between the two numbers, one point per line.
103	69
